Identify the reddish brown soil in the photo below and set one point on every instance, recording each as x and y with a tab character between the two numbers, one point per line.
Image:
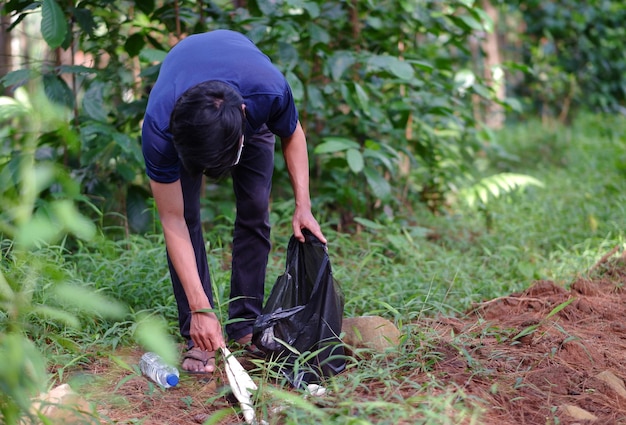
534	353
524	358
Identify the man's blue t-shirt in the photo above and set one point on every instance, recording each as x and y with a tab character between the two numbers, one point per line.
225	56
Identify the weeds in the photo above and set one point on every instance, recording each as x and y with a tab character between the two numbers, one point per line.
407	270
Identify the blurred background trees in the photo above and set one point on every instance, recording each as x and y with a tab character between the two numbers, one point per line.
397	96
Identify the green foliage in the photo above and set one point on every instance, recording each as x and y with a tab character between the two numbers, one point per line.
43	305
28	219
393	80
478	195
398	99
386	117
106	104
575	53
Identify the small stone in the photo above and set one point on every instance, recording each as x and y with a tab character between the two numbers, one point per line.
63	405
613	381
578	413
374	332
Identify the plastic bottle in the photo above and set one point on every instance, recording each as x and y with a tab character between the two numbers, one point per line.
155	368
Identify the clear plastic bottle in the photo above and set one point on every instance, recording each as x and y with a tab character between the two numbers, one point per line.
155	368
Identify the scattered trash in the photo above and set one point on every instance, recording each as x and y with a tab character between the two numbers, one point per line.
316	390
241	384
156	369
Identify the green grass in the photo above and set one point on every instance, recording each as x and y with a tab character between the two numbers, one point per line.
405	272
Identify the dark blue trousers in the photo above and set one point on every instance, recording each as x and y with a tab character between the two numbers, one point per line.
252	183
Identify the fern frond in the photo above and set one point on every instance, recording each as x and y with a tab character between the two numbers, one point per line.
496	186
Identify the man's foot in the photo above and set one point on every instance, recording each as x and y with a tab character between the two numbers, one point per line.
198	361
246	342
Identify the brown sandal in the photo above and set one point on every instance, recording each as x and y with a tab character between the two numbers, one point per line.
198	355
252	350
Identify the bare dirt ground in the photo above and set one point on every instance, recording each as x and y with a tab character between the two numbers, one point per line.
548	355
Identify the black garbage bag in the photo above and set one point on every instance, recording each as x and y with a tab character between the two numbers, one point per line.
301	321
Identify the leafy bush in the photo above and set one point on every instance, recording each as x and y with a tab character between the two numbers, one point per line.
43	303
575	54
391	80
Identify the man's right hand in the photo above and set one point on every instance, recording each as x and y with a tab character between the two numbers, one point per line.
206	331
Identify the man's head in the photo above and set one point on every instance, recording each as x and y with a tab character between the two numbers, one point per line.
207	126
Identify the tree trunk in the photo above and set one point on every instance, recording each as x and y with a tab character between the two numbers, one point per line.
5	47
494	76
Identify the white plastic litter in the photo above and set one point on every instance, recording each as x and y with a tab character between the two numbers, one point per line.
241	384
316	390
312	390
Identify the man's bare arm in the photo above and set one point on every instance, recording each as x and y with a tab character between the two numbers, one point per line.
297	160
205	329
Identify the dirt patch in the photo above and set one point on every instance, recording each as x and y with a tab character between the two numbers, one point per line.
547	355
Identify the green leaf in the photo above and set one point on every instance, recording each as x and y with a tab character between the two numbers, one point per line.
10	108
514	104
383	157
374	22
53	24
339	62
85	20
93	105
267	7
369	223
72	220
482	91
134	44
361	97
58	91
312	9
17	78
138	209
472	22
355	160
77	69
287	56
318	34
152	55
484	18
526	331
425	66
22	370
395	66
335	144
297	88
57	315
127	172
315	97
128	145
6	293
90	301
380	187
152	333
560	307
38	229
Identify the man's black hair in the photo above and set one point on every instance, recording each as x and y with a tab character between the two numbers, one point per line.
207	124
